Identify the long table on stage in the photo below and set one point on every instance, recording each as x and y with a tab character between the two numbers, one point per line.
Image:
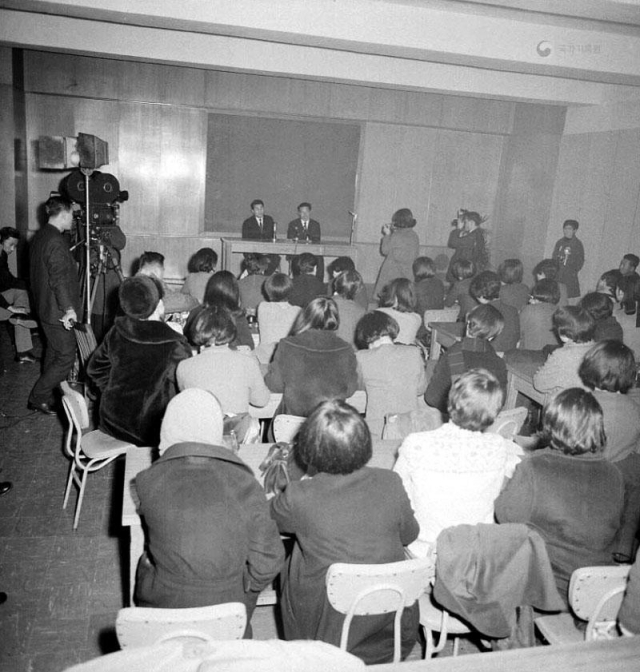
231	246
384	456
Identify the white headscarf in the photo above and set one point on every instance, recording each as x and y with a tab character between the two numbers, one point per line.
192	416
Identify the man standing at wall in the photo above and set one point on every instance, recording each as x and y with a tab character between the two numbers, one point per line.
56	292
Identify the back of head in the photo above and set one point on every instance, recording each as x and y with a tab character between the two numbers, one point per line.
333	440
7	232
195	416
149	260
347	284
403	219
139	296
256	264
574	323
486	285
321	313
340	265
423	268
307	263
204	260
609	365
572	423
484	322
608	283
510	271
598	305
222	289
212	325
398	294
463	269
277	287
475	399
546	291
373	326
55	205
547	268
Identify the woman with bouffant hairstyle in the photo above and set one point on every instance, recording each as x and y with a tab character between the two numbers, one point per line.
568	492
345	512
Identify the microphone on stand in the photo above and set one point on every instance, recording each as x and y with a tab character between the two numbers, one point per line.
354	216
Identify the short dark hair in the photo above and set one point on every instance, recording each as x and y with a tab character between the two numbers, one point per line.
572	423
423	268
598	305
400	290
403	219
463	269
573	323
305	205
334	439
321	313
212	325
307	262
547	291
374	326
572	223
609	365
139	296
475	399
340	265
510	271
150	259
486	285
277	287
484	322
257	201
634	259
347	284
203	261
255	264
7	232
222	289
57	204
548	268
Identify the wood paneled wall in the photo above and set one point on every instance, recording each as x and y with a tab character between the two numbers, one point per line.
432	153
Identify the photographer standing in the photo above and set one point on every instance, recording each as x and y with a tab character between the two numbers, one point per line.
56	291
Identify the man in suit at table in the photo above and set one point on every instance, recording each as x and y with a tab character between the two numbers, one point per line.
259	226
306	230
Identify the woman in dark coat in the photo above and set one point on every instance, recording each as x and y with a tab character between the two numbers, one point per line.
468	241
568	492
210	538
346	512
313	364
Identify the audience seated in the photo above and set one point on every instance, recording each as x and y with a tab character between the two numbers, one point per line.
513	291
607	284
463	272
345	289
232	376
250	285
454	473
548	269
275	315
536	319
574	327
600	307
135	365
392	374
201	267
340	265
210	538
485	289
474	351
152	264
568	492
306	286
628	314
313	363
428	289
398	300
346	512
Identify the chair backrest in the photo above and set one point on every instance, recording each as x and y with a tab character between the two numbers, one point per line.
596	593
86	341
75	407
443	315
285	427
141	626
509	423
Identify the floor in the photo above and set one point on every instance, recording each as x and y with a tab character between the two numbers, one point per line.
64	587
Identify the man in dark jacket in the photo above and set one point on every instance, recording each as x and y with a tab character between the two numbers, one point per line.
56	291
135	366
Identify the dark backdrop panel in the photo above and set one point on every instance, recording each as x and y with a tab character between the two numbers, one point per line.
284	163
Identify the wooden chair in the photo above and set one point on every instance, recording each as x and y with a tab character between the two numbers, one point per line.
88	451
509	423
285	427
141	626
362	590
595	596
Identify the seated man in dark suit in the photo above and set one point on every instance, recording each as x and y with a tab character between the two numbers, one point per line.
259	226
306	285
306	230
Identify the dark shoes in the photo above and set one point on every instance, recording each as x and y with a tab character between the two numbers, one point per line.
26	357
44	407
5	486
20	320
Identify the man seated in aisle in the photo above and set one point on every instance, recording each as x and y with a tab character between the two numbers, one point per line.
259	226
135	366
14	299
628	265
485	289
306	285
152	264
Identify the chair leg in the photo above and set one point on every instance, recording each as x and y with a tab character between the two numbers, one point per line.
456	645
67	491
428	638
83	482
